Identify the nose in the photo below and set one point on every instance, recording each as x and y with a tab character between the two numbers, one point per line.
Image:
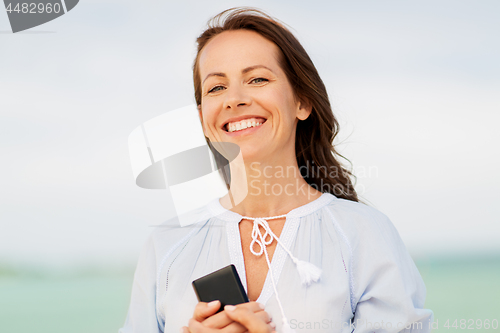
235	97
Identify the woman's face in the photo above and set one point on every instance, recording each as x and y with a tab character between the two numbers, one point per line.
243	86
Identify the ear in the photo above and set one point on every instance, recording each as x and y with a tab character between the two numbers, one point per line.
304	110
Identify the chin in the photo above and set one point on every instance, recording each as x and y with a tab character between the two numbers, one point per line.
252	155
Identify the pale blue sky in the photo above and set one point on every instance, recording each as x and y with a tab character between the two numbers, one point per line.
415	86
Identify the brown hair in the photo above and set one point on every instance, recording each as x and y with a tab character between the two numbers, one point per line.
316	156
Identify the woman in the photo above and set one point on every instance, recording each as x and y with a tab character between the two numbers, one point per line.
304	247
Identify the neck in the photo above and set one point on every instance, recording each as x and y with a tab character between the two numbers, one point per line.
267	189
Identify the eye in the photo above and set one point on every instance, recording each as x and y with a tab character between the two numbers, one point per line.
259	80
215	89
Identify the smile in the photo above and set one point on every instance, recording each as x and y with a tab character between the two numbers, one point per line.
234	126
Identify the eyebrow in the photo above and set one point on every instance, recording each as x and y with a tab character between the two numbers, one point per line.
244	71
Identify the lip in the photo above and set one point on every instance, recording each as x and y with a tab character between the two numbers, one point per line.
234	119
246	131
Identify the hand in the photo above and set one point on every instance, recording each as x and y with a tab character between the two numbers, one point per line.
250	320
205	319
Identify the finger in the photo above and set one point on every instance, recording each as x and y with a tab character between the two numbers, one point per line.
264	316
197	327
184	329
258	309
221	320
255	323
218	320
234	327
247	318
204	310
253	306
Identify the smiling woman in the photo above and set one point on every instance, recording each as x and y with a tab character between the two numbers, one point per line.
277	55
305	248
245	88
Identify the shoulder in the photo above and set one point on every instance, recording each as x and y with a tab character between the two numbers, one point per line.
384	280
361	224
353	209
167	236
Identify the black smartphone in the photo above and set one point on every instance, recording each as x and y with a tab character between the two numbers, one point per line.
223	285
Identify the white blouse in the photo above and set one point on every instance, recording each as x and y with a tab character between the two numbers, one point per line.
369	283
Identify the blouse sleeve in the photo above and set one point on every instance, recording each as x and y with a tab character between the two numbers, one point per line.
141	316
388	289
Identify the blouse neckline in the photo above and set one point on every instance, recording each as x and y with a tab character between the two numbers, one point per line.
224	214
287	236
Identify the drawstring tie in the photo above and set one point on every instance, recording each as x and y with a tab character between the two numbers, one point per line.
308	272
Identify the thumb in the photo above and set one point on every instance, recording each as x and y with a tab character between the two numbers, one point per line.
247	318
205	310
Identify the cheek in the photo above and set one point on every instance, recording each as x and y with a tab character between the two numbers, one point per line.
272	99
209	119
209	105
282	102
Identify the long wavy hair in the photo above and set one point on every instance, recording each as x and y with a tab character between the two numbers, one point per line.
317	158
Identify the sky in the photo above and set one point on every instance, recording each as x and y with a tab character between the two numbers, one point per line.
415	86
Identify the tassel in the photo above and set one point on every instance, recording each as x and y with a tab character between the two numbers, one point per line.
308	272
286	326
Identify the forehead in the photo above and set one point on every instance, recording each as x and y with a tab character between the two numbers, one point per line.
237	50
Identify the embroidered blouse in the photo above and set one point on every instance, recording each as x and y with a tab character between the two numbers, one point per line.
369	283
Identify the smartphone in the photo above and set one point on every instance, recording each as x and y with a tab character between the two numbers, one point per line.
223	285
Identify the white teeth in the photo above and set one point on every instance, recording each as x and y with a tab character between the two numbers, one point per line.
241	125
